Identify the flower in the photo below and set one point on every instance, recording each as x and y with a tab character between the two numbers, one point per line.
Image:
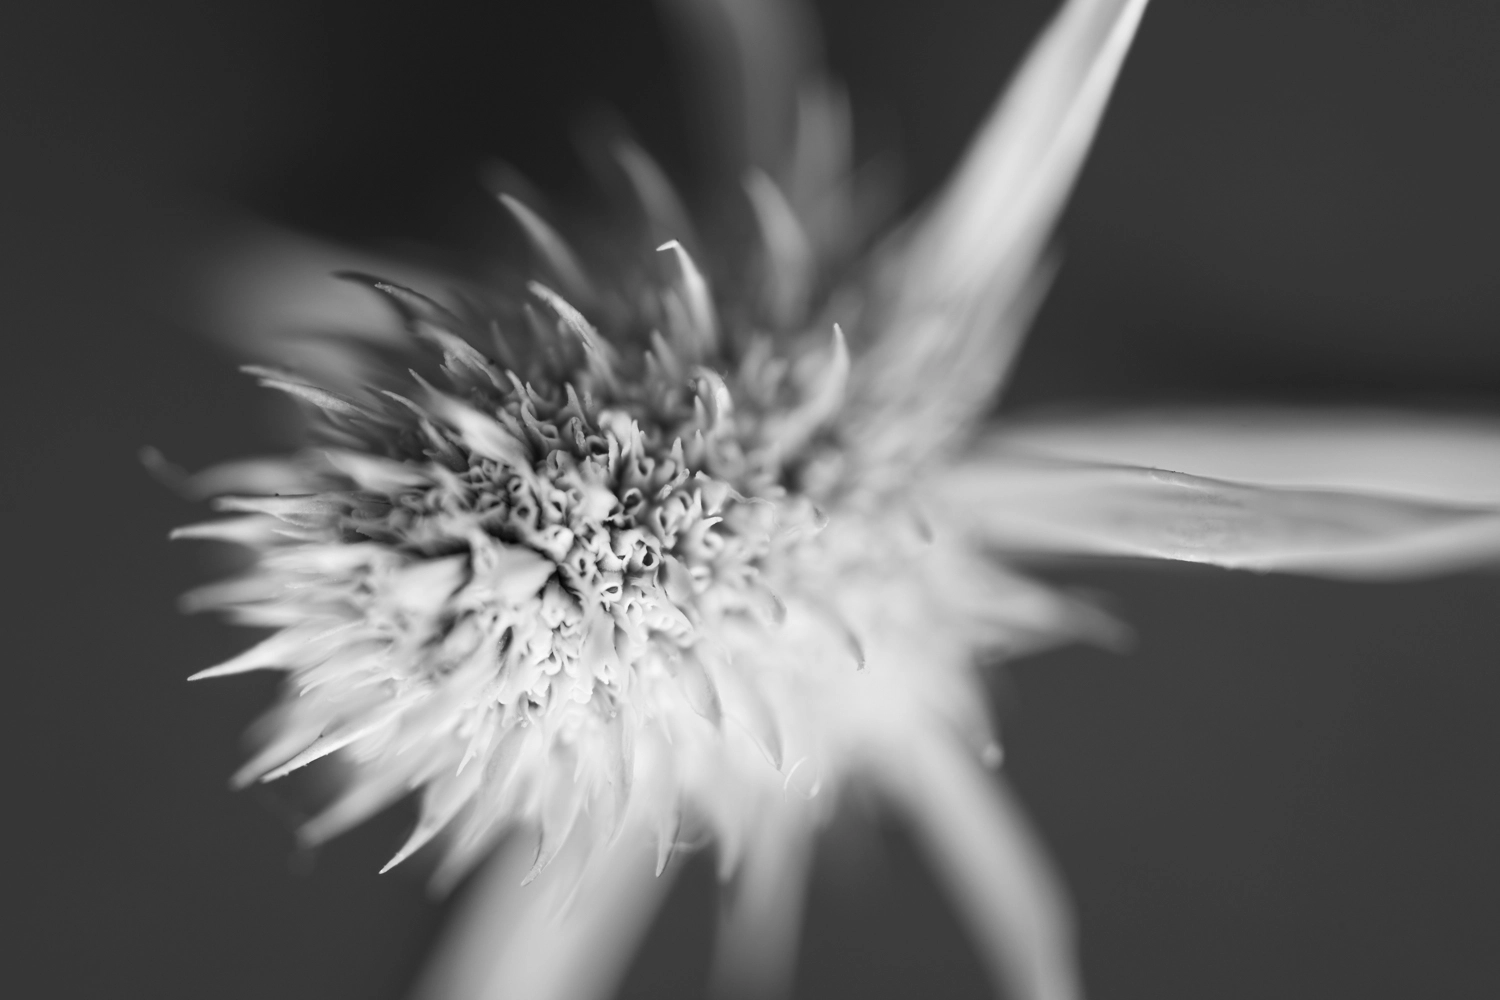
665	543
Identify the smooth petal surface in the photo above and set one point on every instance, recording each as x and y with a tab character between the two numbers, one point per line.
976	253
1010	188
1026	504
751	59
760	914
257	286
977	839
554	939
1441	457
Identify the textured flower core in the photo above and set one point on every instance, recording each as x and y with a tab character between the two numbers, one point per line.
620	556
493	579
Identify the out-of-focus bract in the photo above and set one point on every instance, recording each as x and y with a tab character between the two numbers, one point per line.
665	542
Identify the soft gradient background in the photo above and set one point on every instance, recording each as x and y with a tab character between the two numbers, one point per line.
1289	789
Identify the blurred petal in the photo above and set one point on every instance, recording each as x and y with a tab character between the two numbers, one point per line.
900	417
666	217
252	285
541	941
984	851
1027	504
1453	458
760	917
819	177
976	252
750	60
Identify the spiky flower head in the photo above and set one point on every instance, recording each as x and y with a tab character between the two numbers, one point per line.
636	548
502	580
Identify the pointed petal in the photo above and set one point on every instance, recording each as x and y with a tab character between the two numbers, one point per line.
698	335
561	804
745	704
483	434
1441	457
668	828
553	249
951	319
1029	504
325	745
665	214
789	260
371	472
760	917
507	940
983	849
696	685
328	402
794	428
441	801
989	223
601	356
247	475
251	531
249	284
268	654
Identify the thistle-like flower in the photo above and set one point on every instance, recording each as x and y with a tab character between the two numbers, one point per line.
663	544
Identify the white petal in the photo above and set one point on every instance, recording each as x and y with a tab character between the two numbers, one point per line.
699	334
1028	504
552	248
760	917
990	220
1441	457
984	851
955	314
541	941
251	475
